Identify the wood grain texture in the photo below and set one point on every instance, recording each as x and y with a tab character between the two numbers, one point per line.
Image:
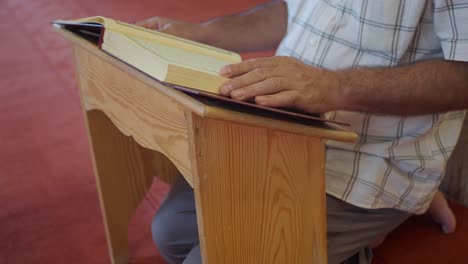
156	164
296	128
154	120
455	183
122	177
260	194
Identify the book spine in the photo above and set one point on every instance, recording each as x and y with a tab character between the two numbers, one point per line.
101	37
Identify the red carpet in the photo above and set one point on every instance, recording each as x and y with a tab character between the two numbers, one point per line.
49	206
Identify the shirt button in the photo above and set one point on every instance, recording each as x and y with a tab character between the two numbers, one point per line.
313	41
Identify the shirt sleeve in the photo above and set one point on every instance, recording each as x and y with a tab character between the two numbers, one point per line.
451	26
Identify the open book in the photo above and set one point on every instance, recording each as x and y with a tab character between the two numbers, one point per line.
183	64
162	56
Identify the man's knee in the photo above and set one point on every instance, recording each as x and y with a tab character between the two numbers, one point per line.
165	236
174	228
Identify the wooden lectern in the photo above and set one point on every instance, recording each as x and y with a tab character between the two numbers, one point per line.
259	183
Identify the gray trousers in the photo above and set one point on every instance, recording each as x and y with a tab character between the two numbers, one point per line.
350	229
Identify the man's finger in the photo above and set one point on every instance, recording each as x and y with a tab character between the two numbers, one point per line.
266	87
251	77
282	99
233	70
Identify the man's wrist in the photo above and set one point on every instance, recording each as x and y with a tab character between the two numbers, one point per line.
202	33
348	95
209	32
338	90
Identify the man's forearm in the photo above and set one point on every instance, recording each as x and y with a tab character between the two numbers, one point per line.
261	28
425	87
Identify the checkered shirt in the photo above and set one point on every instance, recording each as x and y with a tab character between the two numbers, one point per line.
399	161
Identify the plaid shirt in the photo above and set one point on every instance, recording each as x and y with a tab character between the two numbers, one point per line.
399	161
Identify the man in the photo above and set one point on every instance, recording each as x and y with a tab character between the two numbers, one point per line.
396	71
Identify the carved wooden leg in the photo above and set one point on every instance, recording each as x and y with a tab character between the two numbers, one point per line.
124	172
260	194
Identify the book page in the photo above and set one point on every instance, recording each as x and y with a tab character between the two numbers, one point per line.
182	57
170	40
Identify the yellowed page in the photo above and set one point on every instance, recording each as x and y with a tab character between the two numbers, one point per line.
122	47
96	19
166	39
181	57
194	79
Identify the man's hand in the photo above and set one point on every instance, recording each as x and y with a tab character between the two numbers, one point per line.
282	82
174	27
